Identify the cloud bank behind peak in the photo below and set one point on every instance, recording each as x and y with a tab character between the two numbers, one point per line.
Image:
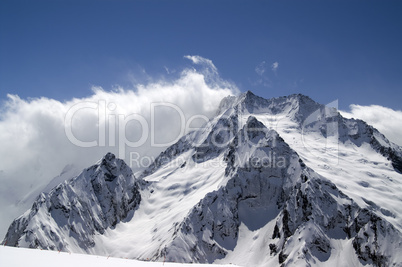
39	136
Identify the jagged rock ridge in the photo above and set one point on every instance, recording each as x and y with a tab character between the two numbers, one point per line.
300	202
74	211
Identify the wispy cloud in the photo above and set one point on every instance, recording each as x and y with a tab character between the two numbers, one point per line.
386	120
274	67
169	71
260	68
264	79
202	61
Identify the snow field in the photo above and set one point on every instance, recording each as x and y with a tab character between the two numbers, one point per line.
22	257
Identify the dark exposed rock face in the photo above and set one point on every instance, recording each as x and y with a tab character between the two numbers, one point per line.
304	206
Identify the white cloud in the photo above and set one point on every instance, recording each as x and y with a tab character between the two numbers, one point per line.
260	69
169	71
386	120
264	79
210	72
202	61
275	67
34	146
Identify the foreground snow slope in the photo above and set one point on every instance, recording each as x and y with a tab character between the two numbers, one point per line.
22	257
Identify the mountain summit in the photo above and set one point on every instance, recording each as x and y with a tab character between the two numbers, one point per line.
266	182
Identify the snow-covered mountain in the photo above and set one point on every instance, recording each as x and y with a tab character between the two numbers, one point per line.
68	172
76	210
266	182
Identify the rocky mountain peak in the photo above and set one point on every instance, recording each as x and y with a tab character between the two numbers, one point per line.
88	204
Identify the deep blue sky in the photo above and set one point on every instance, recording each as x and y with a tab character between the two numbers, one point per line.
347	50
